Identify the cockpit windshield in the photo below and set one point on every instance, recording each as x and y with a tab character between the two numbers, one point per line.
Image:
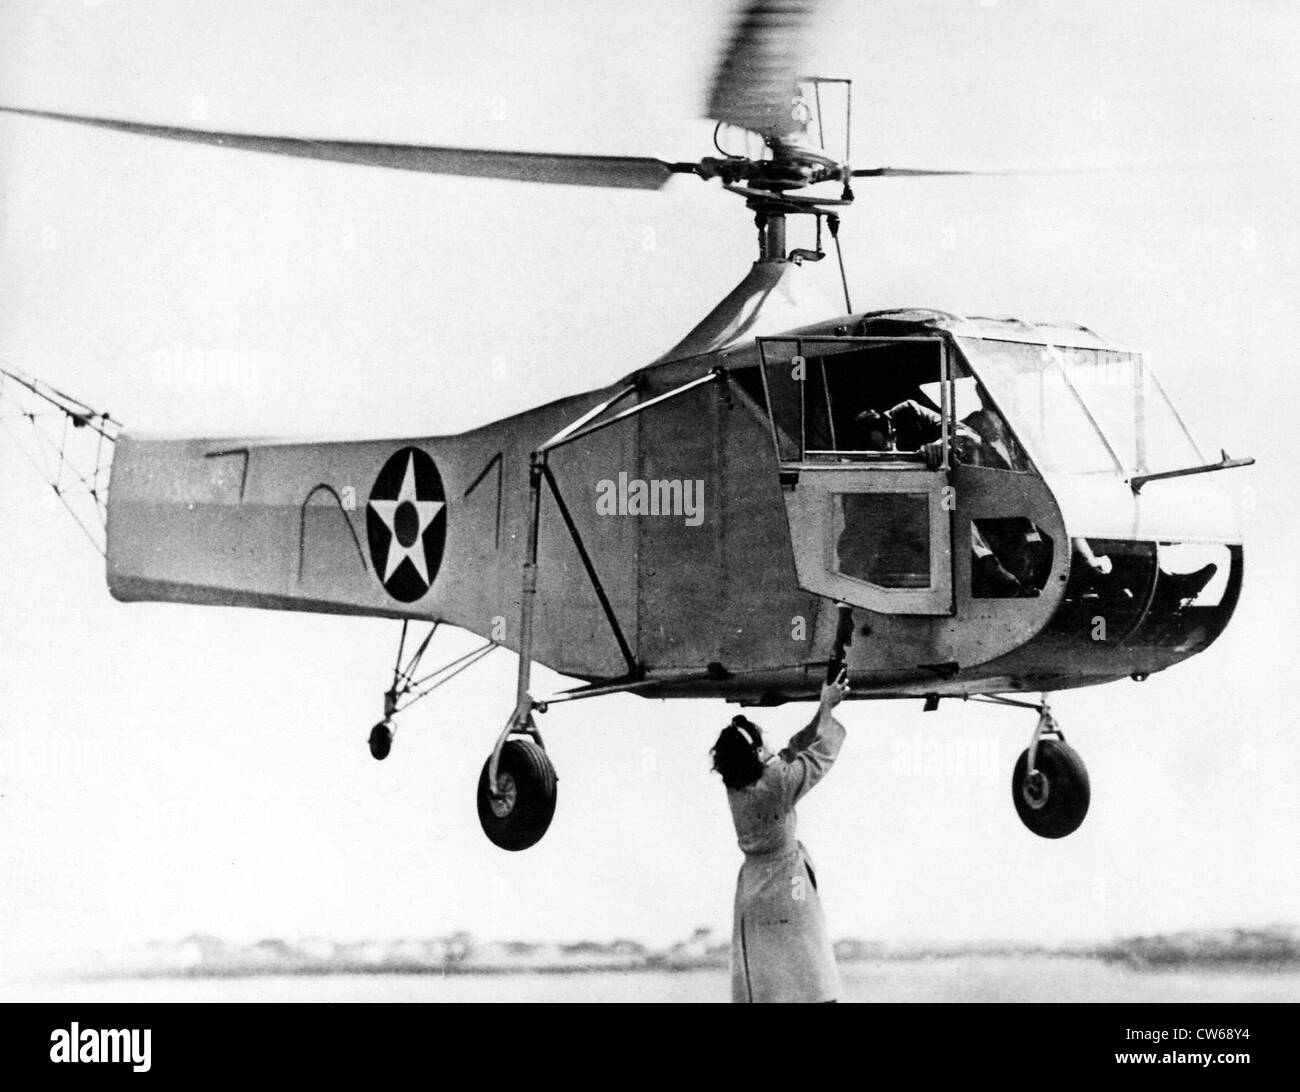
1131	409
1083	410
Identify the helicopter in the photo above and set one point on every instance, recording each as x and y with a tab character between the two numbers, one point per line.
942	505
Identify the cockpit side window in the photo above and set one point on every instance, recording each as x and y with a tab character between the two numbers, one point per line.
832	398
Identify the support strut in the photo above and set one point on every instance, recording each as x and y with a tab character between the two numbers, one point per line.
1046	725
594	420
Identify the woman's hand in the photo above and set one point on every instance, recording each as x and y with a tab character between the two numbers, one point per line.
835	692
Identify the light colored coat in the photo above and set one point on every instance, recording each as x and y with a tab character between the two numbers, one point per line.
780	950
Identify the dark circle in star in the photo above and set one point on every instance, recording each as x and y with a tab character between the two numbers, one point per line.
406	584
406	523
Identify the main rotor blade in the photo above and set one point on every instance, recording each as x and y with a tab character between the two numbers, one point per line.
906	172
921	172
623	172
756	79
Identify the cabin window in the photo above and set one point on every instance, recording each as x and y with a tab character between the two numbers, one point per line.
882	538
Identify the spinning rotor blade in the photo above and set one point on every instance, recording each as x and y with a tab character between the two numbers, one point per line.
756	80
910	172
622	172
921	172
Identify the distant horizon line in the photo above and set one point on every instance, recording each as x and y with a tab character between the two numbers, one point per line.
201	954
1272	927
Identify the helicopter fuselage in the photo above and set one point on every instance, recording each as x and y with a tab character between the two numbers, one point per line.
696	545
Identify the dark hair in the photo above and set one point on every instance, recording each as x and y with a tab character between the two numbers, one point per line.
869	421
735	755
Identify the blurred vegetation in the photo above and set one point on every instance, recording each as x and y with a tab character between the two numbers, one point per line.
1274	946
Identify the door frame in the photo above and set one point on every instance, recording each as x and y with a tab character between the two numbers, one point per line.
810	508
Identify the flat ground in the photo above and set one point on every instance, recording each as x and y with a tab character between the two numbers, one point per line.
964	978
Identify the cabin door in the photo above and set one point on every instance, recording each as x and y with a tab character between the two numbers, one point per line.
878	537
870	523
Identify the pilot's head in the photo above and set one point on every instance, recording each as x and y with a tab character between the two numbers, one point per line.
739	754
986	424
873	431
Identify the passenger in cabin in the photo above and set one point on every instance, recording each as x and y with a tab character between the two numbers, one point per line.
1098	564
989	578
1177	591
1094	575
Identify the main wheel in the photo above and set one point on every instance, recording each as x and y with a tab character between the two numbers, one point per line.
1054	801
521	812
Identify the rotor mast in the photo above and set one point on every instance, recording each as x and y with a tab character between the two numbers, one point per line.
771	235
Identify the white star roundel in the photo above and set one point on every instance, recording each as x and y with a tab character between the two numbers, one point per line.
406	523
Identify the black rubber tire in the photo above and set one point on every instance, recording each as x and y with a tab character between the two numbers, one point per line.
1068	792
381	741
534	804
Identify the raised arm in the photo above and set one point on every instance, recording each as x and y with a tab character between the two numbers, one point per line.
919	423
802	739
812	751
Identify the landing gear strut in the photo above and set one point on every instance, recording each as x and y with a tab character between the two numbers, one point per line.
408	688
516	790
1049	785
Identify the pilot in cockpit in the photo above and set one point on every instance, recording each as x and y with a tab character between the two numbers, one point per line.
980	438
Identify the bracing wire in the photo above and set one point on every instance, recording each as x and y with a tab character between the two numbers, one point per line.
48	428
407	689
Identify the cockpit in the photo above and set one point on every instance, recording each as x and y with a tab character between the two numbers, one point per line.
962	423
1001	399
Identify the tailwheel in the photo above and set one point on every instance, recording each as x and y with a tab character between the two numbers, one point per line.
409	686
1052	800
381	740
520	811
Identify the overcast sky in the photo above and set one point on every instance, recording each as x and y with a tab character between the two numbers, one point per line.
170	769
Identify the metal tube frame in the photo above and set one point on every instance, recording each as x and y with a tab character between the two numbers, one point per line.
591	422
